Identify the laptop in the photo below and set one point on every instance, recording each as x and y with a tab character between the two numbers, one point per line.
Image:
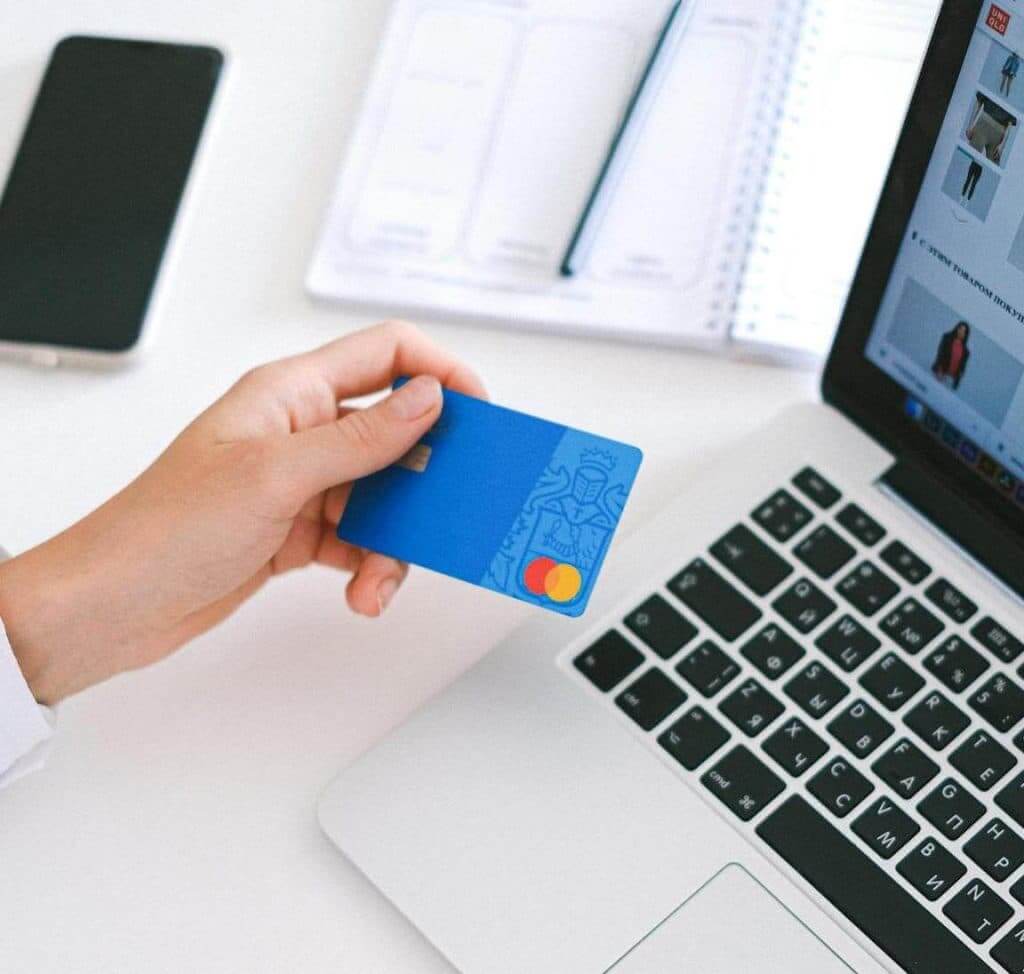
789	733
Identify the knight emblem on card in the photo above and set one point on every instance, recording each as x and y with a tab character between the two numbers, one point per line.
568	520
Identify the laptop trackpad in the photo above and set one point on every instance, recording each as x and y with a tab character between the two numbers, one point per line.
731	925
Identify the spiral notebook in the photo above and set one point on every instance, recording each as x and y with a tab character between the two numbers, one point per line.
738	224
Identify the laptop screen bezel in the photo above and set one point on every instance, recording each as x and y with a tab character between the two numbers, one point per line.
851	382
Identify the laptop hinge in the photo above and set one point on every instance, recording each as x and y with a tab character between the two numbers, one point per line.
982	539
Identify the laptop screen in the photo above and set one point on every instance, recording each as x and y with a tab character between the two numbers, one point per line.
950	329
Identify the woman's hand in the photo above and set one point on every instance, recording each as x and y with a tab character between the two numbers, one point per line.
252	488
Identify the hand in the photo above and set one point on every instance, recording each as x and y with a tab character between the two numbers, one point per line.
252	488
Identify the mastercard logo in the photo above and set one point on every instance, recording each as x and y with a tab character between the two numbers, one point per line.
559	582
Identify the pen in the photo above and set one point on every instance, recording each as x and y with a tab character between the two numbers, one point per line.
626	138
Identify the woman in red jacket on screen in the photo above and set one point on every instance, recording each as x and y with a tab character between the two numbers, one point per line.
951	359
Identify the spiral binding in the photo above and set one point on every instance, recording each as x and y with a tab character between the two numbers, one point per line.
789	52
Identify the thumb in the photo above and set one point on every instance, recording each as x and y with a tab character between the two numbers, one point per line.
364	441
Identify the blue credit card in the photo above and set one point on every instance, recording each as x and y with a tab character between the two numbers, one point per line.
500	499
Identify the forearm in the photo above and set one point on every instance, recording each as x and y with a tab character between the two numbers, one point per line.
57	606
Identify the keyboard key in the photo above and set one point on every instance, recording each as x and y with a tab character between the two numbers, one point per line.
1000	701
951	809
847	643
891	682
824	552
794	746
978	911
860	728
982	760
1011	799
931	870
693	738
1017	890
936	720
905	768
1009	952
773	652
911	626
997	639
660	627
609	661
803	605
905	563
701	588
650	699
840	787
950	600
861	525
816	488
997	849
816	689
867	589
751	707
751	560
742	783
887	913
955	663
885	828
707	669
782	515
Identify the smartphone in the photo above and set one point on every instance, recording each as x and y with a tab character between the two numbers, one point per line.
89	209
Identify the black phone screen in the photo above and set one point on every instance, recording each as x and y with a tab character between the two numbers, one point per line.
93	192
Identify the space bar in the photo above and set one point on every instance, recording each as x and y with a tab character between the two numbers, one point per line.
846	877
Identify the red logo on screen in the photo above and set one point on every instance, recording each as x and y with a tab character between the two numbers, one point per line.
998	19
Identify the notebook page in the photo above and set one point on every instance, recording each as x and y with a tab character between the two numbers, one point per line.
483	130
848	97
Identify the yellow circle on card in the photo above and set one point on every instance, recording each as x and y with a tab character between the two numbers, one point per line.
563	583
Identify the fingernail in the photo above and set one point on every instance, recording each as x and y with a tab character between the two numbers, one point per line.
417	397
386	592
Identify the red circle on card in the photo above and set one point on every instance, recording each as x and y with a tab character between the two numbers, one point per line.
536	574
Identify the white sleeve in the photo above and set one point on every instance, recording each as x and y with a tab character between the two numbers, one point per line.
25	726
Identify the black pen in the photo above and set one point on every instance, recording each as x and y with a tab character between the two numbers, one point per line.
626	137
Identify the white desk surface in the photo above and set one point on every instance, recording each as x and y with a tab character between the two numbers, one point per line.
174	827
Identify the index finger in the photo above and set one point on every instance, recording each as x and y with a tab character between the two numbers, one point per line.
304	391
370	360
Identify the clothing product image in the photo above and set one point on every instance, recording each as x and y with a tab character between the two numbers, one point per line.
989	128
1010	68
952	356
987	136
971	182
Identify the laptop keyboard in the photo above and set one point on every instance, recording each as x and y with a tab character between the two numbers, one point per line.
861	716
